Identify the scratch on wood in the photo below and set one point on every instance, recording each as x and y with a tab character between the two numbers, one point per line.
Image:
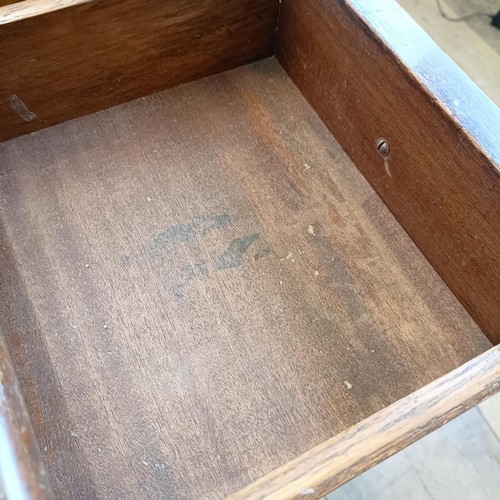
387	168
452	156
21	109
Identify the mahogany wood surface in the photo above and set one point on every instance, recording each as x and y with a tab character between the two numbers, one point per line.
78	60
199	286
370	72
376	438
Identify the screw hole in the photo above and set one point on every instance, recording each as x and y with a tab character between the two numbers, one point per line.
383	146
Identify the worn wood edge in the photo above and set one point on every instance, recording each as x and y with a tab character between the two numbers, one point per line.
349	453
31	8
22	472
483	128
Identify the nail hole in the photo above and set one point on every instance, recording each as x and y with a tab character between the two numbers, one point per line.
383	146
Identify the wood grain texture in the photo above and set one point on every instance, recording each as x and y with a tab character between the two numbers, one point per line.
370	72
22	473
198	286
81	59
11	12
355	450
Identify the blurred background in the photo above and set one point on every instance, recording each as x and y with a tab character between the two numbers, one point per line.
473	43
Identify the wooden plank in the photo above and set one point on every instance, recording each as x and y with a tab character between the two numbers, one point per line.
22	473
84	58
199	286
350	453
24	9
370	72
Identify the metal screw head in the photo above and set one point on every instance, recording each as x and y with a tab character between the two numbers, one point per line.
383	146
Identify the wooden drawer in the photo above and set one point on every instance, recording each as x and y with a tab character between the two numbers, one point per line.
247	248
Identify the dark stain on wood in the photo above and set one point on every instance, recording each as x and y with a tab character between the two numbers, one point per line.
190	272
199	395
261	254
199	226
234	255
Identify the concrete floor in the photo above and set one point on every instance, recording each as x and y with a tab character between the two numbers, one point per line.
474	45
460	461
